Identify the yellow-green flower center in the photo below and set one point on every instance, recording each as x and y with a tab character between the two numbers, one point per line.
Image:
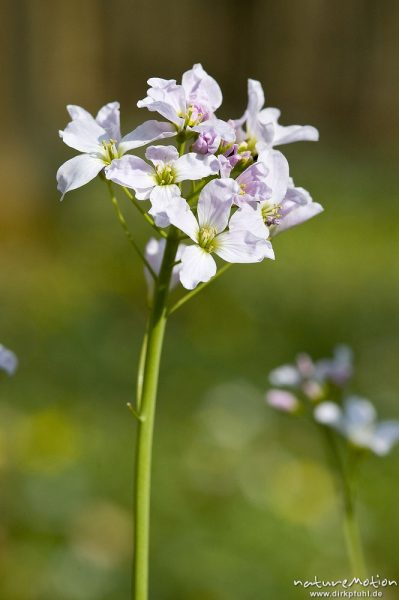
110	151
164	175
270	213
194	116
207	238
250	145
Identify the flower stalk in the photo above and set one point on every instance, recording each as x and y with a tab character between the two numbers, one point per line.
345	485
148	386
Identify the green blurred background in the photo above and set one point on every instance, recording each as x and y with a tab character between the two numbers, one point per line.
242	500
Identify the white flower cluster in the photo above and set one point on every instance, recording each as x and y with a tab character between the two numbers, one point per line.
320	388
240	192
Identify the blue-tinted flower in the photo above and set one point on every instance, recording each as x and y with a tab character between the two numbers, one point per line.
357	421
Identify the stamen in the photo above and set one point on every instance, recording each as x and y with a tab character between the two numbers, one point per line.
207	238
110	151
165	175
270	214
195	114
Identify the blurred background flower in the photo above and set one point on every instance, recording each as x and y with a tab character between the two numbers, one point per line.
8	361
228	505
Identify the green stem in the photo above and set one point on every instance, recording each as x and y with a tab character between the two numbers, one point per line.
351	527
134	412
353	542
148	392
199	288
140	374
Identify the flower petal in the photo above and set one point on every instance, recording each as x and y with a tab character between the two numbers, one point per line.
166	98
154	252
147	132
243	247
253	185
84	135
77	112
277	177
294	133
132	172
328	413
161	154
256	128
255	172
194	166
256	97
77	172
386	434
269	115
8	360
286	375
108	117
197	266
297	216
162	199
359	412
201	88
215	202
181	216
249	219
282	400
225	130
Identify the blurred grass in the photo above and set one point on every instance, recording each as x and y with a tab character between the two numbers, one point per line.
242	502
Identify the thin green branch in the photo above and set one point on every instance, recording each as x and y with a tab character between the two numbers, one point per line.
128	234
146	216
198	289
134	412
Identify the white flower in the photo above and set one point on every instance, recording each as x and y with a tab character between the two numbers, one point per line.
158	183
99	139
296	208
8	360
287	205
266	212
190	105
253	185
154	252
357	422
261	124
238	245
